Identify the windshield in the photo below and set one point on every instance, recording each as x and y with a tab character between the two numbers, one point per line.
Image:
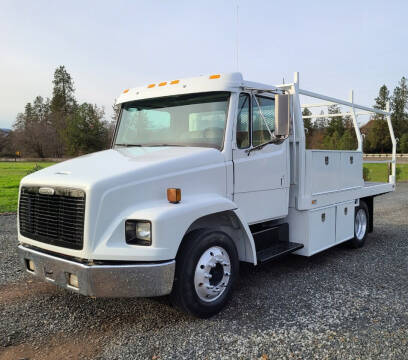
181	120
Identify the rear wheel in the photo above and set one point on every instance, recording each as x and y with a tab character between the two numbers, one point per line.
206	269
361	221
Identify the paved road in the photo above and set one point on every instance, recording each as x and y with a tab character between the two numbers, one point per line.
343	303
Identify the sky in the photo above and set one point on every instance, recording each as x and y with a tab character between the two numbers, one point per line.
108	46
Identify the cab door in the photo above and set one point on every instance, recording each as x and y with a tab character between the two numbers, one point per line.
261	187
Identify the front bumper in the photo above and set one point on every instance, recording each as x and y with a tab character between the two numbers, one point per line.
130	280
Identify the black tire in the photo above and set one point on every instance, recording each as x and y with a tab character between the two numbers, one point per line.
359	234
194	246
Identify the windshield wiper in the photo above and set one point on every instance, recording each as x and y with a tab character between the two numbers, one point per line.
127	145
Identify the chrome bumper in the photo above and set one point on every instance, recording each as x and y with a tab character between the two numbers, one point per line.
134	280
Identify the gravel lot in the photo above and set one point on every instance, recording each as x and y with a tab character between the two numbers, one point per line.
342	303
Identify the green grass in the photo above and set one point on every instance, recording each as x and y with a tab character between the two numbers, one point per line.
379	172
10	175
12	172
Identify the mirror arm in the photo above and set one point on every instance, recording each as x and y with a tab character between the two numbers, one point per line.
276	140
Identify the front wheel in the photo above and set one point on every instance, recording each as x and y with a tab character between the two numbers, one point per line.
361	221
206	269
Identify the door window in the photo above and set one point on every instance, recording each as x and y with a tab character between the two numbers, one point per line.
263	117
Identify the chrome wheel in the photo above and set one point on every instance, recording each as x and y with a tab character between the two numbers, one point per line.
212	273
360	224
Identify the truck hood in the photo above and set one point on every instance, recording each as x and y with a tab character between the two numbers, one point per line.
123	165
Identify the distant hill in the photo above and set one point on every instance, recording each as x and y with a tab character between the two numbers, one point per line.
5	130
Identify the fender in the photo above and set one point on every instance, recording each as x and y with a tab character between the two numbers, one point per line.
170	222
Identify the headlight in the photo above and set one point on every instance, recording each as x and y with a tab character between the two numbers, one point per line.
138	232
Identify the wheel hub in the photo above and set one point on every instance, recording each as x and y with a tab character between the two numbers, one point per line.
360	224
212	273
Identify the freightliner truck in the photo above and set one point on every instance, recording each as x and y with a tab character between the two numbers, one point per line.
203	173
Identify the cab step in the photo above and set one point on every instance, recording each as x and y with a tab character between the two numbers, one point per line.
277	249
272	242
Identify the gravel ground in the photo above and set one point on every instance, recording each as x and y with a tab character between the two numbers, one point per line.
342	303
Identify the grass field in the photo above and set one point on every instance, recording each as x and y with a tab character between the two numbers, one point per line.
379	172
10	175
12	172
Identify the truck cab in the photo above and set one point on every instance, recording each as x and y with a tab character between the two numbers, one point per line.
203	173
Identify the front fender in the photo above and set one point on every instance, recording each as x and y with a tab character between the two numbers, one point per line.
169	221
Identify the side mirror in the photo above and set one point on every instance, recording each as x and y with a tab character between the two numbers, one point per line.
282	115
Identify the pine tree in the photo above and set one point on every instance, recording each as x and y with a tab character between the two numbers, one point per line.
308	125
63	105
321	122
382	99
378	135
399	103
63	99
86	130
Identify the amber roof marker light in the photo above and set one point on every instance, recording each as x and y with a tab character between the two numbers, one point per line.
174	195
216	76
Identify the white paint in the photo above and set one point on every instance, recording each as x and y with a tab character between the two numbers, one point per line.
285	182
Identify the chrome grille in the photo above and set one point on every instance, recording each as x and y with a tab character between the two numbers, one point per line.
56	219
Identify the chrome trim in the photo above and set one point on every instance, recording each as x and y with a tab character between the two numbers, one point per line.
130	280
360	224
58	190
46	191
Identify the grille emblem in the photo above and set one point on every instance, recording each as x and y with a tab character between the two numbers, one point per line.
46	191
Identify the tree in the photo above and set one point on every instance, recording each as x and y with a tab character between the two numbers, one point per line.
308	125
60	126
86	130
382	99
116	111
334	129
336	123
399	102
32	128
63	99
6	145
404	143
112	124
63	105
321	122
377	139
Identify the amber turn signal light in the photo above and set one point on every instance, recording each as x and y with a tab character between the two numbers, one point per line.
174	195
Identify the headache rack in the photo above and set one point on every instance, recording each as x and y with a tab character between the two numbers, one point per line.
308	173
55	216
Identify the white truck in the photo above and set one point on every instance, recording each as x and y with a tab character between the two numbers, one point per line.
203	173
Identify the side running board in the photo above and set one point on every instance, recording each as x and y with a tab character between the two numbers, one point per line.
273	242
